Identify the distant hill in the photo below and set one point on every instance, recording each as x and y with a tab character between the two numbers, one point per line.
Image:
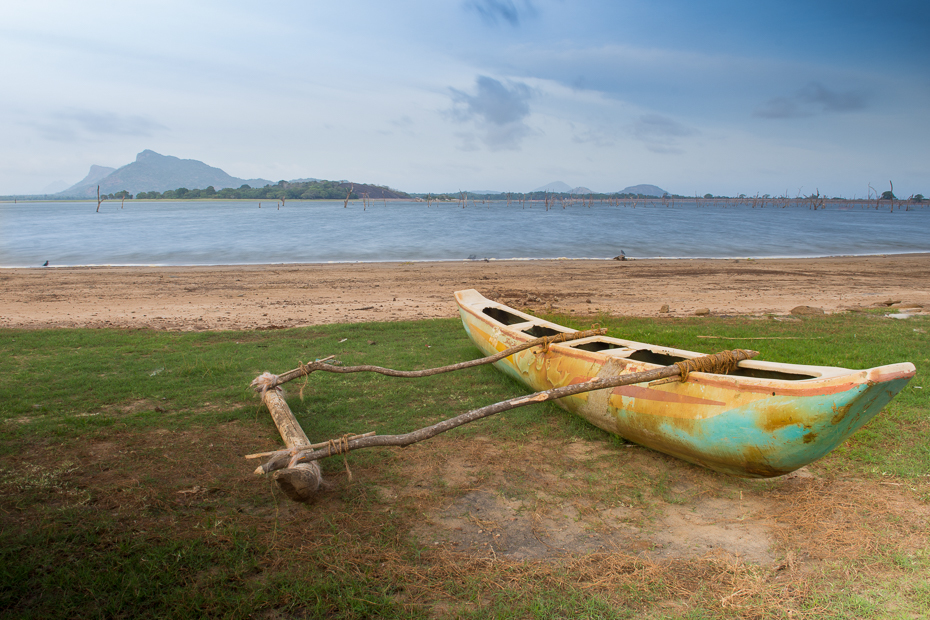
373	192
556	187
154	172
96	173
645	190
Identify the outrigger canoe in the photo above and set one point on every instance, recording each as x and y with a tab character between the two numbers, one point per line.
765	419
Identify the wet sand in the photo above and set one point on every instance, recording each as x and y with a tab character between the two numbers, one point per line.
264	296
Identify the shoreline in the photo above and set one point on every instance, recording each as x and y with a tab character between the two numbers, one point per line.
195	298
462	260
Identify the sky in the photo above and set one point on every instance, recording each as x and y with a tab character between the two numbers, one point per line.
719	96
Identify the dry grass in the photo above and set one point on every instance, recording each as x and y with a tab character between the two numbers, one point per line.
191	485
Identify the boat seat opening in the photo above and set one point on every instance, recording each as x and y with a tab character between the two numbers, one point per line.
538	331
651	357
502	316
596	346
662	359
759	373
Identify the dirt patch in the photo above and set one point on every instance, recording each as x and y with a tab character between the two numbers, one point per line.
522	504
738	528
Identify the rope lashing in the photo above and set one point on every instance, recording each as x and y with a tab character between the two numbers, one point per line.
549	340
338	446
341	446
564	336
722	363
265	382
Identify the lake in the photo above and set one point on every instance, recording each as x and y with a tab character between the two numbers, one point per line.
239	232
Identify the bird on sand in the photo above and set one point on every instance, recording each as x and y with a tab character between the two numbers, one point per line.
45	264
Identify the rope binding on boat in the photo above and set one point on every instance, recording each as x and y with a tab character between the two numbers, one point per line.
565	336
721	364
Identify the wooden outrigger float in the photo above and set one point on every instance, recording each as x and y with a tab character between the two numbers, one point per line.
761	419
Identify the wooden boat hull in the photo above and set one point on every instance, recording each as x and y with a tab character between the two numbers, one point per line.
766	420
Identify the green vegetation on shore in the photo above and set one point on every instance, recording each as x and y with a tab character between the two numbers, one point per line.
308	190
123	491
321	189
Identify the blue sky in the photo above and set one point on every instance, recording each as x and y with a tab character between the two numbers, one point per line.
717	96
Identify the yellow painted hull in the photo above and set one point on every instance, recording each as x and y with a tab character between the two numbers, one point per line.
765	420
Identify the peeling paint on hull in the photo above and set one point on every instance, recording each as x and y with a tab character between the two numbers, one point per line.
753	426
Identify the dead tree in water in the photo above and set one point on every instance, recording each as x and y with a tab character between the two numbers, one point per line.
877	196
99	199
349	193
816	200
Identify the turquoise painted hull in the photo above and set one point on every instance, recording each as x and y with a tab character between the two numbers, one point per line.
765	420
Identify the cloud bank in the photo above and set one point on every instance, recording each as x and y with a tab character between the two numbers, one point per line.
660	133
496	110
815	98
494	11
77	124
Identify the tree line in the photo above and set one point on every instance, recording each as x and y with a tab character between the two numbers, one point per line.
310	190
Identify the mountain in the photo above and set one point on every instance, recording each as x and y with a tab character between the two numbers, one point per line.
581	189
154	172
96	174
556	187
645	190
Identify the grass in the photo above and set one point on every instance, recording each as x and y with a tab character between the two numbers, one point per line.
123	491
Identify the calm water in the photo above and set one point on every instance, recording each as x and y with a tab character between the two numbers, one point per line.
225	233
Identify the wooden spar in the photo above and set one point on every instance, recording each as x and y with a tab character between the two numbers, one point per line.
719	361
299	481
261	455
267	382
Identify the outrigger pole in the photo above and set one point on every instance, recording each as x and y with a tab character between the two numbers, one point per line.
298	474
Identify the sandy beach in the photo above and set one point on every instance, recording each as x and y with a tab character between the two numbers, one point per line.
268	296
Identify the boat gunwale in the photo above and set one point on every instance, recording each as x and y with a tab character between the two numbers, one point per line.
826	377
